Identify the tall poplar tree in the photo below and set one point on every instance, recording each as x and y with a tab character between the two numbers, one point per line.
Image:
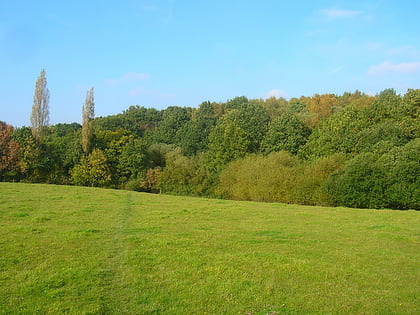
88	114
40	108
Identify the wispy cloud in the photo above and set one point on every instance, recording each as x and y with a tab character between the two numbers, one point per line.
164	13
387	67
275	93
333	13
337	70
150	7
405	51
128	77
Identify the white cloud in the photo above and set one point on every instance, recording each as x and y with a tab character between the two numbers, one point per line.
338	13
386	67
275	93
128	77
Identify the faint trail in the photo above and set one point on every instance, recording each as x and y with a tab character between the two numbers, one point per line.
114	277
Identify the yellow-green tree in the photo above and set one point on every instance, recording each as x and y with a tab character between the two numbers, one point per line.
93	170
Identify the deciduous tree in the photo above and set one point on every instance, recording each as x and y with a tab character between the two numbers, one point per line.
9	150
93	170
285	132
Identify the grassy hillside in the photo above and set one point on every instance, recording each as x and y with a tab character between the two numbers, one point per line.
90	251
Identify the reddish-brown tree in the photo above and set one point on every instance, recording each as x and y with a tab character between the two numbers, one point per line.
9	150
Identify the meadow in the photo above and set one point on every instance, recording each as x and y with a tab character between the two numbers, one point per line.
78	250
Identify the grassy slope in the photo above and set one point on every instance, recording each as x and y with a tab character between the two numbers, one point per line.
91	251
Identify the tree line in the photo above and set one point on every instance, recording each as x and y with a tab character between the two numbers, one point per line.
352	150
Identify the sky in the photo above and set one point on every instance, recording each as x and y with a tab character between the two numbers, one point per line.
182	52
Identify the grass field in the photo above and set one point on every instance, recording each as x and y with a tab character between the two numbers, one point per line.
79	250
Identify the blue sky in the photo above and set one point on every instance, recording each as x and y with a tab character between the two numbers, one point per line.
173	52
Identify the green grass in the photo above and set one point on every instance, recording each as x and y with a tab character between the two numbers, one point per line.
79	250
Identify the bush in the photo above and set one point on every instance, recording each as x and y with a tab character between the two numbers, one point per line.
389	180
93	170
310	185
402	178
270	178
360	184
180	174
150	182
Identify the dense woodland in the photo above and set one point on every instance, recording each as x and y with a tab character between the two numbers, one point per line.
351	150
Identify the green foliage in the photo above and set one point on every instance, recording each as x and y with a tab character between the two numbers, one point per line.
236	103
356	99
23	136
138	120
391	132
279	177
387	105
35	158
65	149
236	134
253	120
179	175
157	153
93	170
338	134
310	185
387	180
285	133
133	160
411	103
227	142
261	178
402	165
173	119
274	106
193	135
228	149
361	183
112	144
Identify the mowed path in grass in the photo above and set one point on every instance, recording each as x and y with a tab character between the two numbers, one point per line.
77	250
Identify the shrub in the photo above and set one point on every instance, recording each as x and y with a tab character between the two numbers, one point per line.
179	175
310	185
260	178
93	170
402	166
361	183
